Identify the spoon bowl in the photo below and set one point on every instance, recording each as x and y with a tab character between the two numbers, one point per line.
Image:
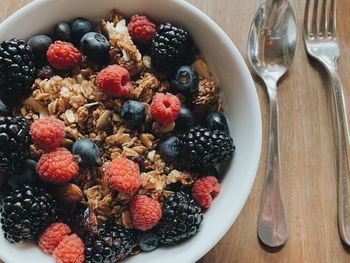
271	50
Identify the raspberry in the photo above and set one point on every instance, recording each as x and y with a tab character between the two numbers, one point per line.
114	81
205	189
57	166
124	175
70	250
165	108
63	55
145	211
52	236
47	133
141	29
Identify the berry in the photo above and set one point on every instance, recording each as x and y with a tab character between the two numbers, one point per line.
145	212
26	175
141	29
170	48
147	241
170	148
26	212
96	47
124	175
133	114
14	143
211	171
165	108
185	81
185	120
181	219
112	243
4	108
17	70
114	81
201	148
88	151
57	166
79	27
204	190
52	236
63	55
39	45
48	133
45	72
217	121
61	31
69	250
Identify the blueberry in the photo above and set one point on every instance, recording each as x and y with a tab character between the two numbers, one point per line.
217	121
79	27
39	45
88	151
95	46
133	114
185	81
61	31
4	108
147	241
170	149
26	175
185	120
211	171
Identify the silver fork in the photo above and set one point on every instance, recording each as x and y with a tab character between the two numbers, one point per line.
321	43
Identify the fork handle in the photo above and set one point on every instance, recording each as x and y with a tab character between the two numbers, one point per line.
272	222
343	157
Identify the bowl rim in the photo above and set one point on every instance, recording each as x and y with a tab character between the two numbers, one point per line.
196	254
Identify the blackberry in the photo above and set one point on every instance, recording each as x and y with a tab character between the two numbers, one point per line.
201	147
14	143
170	48
111	244
181	219
17	70
25	212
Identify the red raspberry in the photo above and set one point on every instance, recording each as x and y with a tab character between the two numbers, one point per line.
114	81
141	29
70	250
205	189
63	55
124	175
47	133
52	236
57	166
165	108
145	211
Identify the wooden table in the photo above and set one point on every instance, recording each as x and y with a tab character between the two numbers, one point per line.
308	147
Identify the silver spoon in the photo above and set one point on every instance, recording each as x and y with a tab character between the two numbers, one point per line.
271	50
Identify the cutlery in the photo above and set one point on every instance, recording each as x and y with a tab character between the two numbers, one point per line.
321	42
271	50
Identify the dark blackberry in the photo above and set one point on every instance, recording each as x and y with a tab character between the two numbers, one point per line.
25	212
45	72
111	244
14	143
170	48
181	219
17	70
201	147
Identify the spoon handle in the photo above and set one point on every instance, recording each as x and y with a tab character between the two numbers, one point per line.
343	158
272	223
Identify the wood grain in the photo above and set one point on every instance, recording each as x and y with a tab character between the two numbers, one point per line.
308	147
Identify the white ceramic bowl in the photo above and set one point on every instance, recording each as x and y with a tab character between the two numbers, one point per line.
240	99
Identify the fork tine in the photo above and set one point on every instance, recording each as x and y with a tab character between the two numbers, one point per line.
307	18
332	28
323	19
318	16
